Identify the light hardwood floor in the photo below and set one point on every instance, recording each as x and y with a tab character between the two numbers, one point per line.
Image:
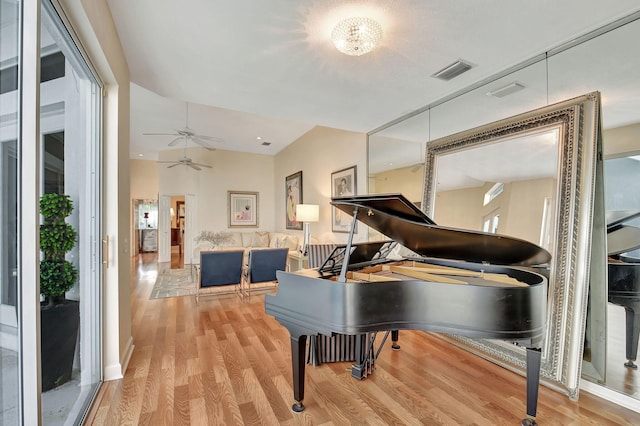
224	361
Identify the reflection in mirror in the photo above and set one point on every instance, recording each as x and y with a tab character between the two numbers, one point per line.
396	158
506	187
623	309
533	176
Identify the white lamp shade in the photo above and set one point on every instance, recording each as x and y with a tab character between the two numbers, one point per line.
307	212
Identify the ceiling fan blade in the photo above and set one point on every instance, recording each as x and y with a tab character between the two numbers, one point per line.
175	141
193	166
202	165
209	138
203	143
167	162
173	165
160	134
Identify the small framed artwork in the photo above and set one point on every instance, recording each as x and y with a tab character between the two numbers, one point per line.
343	184
243	209
180	208
293	196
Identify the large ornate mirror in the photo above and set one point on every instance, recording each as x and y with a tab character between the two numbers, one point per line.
531	176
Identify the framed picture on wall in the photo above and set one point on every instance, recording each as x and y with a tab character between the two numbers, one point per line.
243	209
180	209
293	196
343	184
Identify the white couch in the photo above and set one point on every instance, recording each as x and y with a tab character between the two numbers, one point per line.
250	240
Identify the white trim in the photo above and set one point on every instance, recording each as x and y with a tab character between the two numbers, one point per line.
610	395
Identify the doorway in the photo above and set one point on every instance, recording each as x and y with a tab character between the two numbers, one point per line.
178	217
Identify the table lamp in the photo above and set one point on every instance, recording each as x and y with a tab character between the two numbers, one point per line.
307	213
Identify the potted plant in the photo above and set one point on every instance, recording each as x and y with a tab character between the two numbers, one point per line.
60	318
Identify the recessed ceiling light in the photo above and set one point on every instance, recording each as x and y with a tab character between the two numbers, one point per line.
140	155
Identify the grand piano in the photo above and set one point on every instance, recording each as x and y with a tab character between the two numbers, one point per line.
463	283
624	275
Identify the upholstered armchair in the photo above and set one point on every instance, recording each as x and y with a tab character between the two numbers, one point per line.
262	266
220	268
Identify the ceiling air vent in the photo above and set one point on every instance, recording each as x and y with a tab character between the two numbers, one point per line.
265	143
452	70
505	90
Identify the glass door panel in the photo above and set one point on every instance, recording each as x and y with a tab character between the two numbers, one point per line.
70	159
9	106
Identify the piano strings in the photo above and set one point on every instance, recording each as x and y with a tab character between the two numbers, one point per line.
400	271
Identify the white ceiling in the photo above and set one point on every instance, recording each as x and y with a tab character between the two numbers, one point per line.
268	68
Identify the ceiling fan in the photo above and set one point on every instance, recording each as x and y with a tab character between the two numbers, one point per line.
185	161
189	134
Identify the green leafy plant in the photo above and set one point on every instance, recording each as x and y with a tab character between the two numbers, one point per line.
57	275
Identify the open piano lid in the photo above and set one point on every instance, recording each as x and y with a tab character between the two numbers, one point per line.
402	221
622	238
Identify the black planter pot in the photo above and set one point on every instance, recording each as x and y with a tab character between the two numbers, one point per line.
59	334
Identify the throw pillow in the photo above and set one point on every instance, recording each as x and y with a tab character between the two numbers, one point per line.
260	239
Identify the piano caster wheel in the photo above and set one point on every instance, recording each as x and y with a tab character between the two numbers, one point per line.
631	365
297	407
395	346
528	422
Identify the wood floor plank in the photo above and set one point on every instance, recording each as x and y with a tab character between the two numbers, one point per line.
223	361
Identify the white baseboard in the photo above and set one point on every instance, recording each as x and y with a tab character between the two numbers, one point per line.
116	371
610	395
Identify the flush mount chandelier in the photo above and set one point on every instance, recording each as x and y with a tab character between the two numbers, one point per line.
356	36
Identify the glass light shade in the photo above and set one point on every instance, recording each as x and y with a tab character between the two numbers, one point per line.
356	36
307	212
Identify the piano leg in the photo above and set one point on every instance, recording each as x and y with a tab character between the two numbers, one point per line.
534	356
298	346
394	340
633	331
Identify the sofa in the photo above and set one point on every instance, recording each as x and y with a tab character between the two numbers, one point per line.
249	240
246	241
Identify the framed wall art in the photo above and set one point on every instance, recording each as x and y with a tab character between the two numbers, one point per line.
343	184
293	196
243	209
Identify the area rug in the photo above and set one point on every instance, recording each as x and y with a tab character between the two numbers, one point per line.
173	283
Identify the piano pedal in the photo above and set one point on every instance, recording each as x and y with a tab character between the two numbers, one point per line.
631	365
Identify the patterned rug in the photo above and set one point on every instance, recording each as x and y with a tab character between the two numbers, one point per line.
173	283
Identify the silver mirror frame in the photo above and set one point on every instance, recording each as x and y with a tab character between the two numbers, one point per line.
579	151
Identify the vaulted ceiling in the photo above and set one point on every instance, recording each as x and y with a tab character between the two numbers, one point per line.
268	69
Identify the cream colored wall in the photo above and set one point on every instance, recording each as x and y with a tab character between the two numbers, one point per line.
526	207
144	179
407	181
92	22
520	206
621	141
318	153
235	171
460	208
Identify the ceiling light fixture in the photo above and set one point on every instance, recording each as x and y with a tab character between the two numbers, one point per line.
356	36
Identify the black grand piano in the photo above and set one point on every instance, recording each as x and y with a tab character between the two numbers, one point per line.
624	275
463	283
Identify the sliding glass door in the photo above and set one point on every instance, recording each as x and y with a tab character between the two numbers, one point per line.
49	144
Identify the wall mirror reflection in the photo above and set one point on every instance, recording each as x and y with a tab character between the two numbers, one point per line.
571	70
